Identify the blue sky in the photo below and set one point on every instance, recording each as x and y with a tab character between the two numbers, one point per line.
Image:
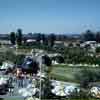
57	16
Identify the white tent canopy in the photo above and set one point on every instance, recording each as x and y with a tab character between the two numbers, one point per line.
63	88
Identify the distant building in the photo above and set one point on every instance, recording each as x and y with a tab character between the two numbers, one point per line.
90	43
59	44
30	41
5	42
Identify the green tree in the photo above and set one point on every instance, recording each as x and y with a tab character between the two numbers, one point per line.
89	36
46	60
13	38
19	37
19	59
60	59
88	75
98	37
98	50
9	55
44	39
38	38
51	39
46	89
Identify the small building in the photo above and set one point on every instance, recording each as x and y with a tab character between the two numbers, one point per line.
58	44
5	42
89	43
31	41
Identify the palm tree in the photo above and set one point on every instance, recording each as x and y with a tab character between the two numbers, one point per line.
13	38
19	36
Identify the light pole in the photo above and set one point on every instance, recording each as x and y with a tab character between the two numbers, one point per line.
40	65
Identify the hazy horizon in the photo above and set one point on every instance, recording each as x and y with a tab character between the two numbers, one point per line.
49	16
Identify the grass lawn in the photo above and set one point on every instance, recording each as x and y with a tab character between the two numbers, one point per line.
66	73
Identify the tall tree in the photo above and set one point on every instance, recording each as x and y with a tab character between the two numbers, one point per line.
19	36
13	38
89	36
46	60
98	37
38	38
44	39
52	39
